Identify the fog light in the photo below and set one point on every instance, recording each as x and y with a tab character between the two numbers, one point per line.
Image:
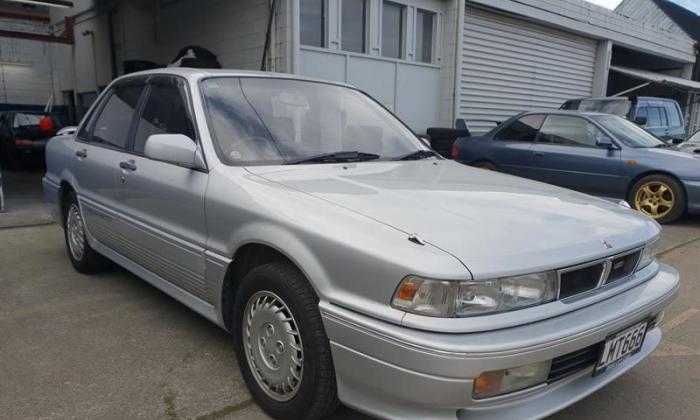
497	382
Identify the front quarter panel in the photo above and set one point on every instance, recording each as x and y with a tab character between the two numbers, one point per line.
350	260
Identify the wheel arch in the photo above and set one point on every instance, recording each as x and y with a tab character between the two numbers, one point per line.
247	257
64	189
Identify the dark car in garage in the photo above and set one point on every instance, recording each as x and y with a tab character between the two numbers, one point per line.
596	153
25	133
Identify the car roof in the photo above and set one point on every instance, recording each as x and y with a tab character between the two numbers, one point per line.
195	74
621	98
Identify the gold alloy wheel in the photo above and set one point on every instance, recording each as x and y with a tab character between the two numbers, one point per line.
655	199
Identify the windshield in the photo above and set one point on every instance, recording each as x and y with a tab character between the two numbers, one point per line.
629	133
616	107
277	121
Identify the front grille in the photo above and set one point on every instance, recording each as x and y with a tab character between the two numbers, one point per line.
573	362
580	280
623	266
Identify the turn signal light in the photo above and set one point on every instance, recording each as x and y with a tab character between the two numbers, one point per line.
498	382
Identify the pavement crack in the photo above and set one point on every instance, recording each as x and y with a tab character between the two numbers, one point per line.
225	411
677	246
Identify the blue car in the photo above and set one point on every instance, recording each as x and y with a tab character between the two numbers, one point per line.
599	154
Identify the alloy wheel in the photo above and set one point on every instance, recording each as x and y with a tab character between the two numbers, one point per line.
655	199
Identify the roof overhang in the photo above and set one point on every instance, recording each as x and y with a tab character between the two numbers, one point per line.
658	78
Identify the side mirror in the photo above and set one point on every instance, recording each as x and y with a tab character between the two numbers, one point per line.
602	140
174	148
641	121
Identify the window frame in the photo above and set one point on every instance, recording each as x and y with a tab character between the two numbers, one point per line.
324	27
365	28
503	127
178	82
403	29
577	145
97	112
433	36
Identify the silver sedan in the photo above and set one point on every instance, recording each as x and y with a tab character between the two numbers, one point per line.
349	261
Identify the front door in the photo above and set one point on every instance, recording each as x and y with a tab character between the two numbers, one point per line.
162	204
566	154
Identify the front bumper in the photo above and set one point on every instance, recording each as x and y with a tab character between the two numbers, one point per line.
395	372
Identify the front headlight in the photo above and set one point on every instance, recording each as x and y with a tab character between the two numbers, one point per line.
450	299
648	254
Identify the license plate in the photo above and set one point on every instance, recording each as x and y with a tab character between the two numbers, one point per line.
620	346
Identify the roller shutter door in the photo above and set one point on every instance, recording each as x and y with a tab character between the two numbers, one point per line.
511	65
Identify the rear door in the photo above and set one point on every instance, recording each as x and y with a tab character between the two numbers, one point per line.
566	154
162	204
100	145
511	150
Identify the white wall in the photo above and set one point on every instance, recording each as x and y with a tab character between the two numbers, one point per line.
25	66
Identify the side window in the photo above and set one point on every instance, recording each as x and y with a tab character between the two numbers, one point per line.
642	112
674	117
112	125
165	112
568	131
522	129
654	118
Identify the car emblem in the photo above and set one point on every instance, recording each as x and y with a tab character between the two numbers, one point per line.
607	244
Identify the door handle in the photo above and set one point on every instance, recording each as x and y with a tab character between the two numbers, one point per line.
128	165
81	153
539	154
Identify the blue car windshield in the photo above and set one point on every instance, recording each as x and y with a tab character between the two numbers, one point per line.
627	132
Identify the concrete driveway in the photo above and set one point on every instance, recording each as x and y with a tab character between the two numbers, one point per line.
112	347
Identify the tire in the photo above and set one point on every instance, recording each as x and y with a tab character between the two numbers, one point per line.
266	291
660	197
485	165
83	257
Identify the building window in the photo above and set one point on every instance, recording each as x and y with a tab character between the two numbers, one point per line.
353	25
313	13
392	29
425	24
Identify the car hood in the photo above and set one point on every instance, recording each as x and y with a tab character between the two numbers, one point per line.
495	224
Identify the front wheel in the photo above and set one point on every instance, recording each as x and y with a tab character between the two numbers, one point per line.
659	197
282	348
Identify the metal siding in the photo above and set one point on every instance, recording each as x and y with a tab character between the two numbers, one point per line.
510	65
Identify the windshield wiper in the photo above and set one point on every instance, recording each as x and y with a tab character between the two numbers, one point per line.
418	154
662	146
335	157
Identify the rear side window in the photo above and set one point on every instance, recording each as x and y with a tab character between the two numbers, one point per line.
165	112
114	121
522	129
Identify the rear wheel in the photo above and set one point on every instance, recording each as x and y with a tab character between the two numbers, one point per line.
659	197
83	257
281	345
